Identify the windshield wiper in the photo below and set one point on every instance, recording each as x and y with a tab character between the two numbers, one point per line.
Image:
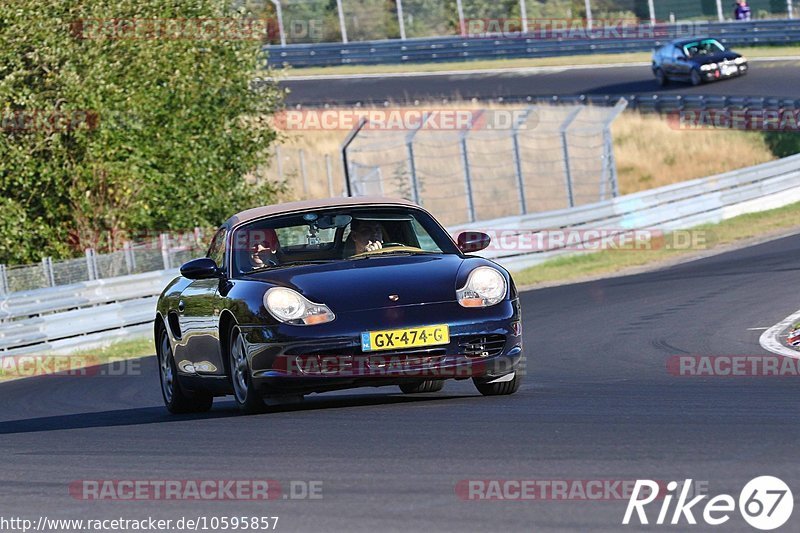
289	264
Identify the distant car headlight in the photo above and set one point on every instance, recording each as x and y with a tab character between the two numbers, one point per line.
291	307
740	60
485	286
710	66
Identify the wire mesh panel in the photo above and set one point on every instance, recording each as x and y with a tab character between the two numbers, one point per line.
424	18
111	265
678	10
26	277
369	20
309	21
70	271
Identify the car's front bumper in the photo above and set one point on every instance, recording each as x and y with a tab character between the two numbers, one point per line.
484	343
718	74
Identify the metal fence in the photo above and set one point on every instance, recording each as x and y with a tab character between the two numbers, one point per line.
546	157
534	44
314	21
159	253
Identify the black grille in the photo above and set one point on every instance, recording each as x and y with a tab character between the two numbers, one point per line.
483	345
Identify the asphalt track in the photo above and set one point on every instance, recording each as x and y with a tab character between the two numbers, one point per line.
780	79
598	403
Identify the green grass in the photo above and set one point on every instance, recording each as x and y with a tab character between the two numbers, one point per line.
116	351
611	261
484	64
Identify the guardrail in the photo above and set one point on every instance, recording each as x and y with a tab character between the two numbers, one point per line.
93	312
443	49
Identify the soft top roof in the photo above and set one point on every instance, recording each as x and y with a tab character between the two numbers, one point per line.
309	205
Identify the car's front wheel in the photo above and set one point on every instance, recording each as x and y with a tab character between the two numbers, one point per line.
499	386
661	79
695	77
247	397
175	397
429	385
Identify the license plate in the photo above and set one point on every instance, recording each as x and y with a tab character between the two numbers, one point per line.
397	339
728	70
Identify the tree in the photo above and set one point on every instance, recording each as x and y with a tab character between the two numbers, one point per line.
112	126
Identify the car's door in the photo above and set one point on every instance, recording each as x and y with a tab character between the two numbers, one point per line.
680	63
198	316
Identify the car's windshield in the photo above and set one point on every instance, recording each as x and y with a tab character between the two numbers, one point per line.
339	234
704	47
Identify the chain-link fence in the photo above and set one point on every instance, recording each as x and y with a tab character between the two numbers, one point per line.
163	251
497	163
308	21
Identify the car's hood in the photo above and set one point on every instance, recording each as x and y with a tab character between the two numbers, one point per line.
716	58
367	283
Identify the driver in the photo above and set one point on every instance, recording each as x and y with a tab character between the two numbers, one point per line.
367	236
264	252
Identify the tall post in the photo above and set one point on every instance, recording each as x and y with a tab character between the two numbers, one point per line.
789	9
610	163
3	280
163	240
345	165
130	262
91	266
588	5
720	16
342	26
652	8
401	21
329	172
461	24
518	159
279	14
523	14
412	163
467	170
565	155
302	155
47	268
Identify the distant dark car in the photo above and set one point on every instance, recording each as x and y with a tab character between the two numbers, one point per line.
696	61
322	295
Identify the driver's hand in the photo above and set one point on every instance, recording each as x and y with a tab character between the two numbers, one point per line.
372	246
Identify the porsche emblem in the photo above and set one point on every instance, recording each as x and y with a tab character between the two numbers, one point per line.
394	297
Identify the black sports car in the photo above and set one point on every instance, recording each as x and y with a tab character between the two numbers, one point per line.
696	61
322	295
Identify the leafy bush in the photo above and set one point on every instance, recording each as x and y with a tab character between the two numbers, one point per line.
103	135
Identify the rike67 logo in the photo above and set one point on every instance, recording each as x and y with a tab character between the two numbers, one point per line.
765	503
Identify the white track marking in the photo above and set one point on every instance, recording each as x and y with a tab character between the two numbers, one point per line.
472	72
770	340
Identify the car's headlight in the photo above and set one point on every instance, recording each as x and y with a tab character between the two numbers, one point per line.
710	66
485	286
291	307
740	60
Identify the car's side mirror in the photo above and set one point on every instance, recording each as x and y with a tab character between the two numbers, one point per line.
202	268
472	241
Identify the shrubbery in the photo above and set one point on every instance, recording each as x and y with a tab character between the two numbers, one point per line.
107	135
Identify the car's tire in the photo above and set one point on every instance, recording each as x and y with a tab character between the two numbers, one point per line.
498	389
695	78
247	398
661	78
176	399
429	385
